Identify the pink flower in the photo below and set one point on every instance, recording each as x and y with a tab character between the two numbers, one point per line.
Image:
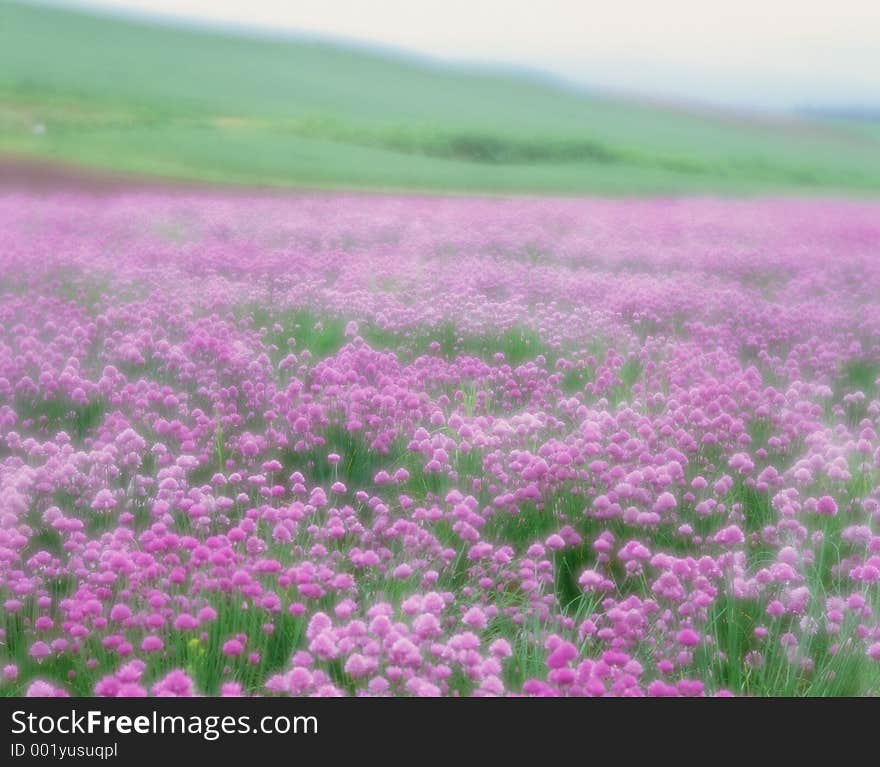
475	618
120	612
561	655
104	500
41	689
39	651
500	648
688	638
175	684
152	643
402	571
827	505
665	502
730	536
186	622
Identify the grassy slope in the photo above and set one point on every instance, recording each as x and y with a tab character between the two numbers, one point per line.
207	105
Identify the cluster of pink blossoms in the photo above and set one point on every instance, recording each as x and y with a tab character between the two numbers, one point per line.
373	446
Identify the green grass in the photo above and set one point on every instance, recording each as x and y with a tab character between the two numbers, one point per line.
575	379
856	375
756	505
61	414
204	660
860	375
521	526
358	465
321	335
518	344
185	103
732	622
629	374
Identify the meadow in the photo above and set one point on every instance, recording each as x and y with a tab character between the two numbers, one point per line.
338	444
138	97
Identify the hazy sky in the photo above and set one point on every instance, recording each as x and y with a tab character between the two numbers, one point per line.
763	53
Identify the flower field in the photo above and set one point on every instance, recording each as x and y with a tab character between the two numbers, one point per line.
370	446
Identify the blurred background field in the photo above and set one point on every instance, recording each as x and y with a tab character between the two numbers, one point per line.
135	96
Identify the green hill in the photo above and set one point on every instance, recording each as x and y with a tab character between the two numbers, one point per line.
191	103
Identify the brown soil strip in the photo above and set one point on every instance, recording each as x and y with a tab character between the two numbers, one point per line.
31	175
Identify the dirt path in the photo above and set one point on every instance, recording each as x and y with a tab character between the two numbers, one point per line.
39	175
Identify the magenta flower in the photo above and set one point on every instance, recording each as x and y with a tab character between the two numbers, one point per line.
39	651
152	643
410	441
827	505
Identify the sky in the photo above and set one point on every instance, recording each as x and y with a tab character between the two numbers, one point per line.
762	54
